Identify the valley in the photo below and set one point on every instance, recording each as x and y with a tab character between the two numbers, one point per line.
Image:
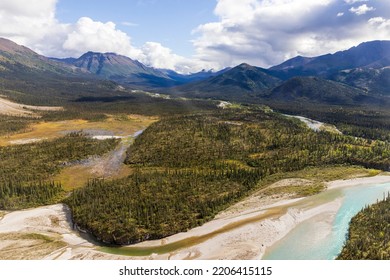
105	158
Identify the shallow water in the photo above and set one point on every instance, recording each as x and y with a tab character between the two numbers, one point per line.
274	212
318	239
191	241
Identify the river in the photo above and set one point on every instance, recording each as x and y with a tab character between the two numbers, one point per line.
318	230
322	237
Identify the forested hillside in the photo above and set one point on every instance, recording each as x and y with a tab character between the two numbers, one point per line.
188	168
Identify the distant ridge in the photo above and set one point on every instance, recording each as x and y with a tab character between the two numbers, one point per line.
120	68
131	72
239	82
375	54
318	90
358	75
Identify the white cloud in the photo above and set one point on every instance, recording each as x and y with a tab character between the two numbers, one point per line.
267	32
259	32
27	23
35	26
89	35
361	10
351	2
381	24
236	10
158	56
34	8
130	24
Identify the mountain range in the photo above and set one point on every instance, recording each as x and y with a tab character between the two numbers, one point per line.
358	75
241	82
127	71
375	54
119	68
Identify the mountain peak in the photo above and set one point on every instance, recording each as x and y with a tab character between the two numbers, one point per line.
98	54
237	83
244	66
121	69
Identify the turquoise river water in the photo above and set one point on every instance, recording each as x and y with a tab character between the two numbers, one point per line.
308	241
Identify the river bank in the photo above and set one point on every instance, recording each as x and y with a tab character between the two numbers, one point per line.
244	231
322	236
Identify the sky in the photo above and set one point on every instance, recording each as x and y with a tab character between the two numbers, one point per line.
191	35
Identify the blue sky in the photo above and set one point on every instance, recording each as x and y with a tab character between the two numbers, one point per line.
169	22
191	35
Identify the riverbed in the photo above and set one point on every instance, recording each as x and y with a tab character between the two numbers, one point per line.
322	236
255	228
310	228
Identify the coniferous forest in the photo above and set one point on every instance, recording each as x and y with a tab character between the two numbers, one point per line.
369	234
26	170
187	168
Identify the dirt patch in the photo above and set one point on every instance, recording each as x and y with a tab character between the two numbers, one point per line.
293	188
290	182
109	165
15	109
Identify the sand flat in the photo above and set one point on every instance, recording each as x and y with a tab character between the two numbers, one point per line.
244	231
